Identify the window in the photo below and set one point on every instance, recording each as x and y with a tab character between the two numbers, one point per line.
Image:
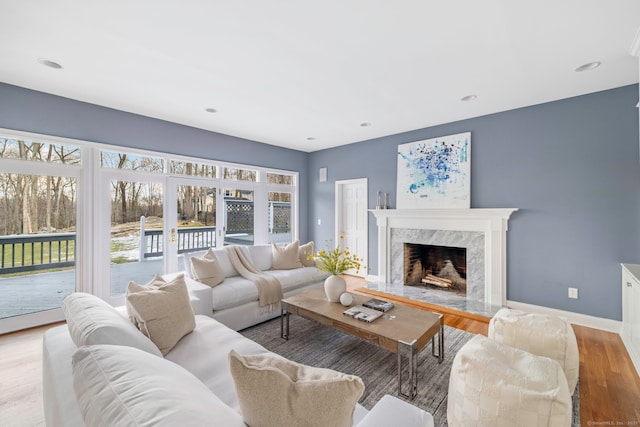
129	161
237	174
24	149
99	216
38	234
279	217
193	169
278	178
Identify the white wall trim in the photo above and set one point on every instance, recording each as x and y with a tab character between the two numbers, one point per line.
634	49
31	320
633	354
575	318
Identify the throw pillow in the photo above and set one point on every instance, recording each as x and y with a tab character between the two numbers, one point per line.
286	257
207	269
186	258
306	252
273	391
119	386
156	282
164	313
92	321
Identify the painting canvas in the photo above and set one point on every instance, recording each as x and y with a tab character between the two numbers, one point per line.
435	173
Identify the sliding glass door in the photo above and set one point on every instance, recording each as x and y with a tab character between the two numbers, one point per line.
38	229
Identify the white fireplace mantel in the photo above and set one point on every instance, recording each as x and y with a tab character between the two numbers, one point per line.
492	222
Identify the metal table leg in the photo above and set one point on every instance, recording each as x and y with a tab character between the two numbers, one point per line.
440	354
410	351
284	321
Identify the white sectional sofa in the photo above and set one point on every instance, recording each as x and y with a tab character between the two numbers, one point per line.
234	302
132	384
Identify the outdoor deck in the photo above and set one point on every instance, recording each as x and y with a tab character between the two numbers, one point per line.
45	291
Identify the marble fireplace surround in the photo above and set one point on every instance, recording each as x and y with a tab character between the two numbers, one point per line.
483	232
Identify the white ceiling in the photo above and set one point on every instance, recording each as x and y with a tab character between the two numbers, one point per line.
283	71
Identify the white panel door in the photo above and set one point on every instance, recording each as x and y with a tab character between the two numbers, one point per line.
351	219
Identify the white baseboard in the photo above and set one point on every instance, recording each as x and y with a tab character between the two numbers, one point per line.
372	278
575	318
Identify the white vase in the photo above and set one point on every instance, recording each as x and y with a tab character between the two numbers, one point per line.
334	286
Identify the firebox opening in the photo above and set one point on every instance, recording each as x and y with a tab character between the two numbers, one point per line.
436	267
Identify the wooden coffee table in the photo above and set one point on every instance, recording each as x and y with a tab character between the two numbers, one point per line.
402	330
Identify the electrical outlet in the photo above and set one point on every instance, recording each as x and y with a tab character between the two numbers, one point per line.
573	293
319	221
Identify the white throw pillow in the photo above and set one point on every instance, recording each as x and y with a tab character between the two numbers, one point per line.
164	313
305	253
92	321
117	386
273	391
206	269
286	257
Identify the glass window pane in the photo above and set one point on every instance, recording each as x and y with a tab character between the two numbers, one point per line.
275	178
23	149
279	217
136	233
37	242
128	161
236	174
239	217
192	169
196	220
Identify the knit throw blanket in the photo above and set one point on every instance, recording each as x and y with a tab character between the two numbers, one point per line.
269	288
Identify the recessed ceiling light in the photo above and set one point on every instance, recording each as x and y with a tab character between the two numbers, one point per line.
210	110
365	124
589	66
49	63
468	98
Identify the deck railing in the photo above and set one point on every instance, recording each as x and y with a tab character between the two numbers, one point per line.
190	239
34	252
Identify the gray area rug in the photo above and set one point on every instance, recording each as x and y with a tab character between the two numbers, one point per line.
316	345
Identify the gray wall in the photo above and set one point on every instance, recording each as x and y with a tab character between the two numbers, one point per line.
27	110
570	166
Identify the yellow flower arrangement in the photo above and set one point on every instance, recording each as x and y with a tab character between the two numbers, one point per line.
337	261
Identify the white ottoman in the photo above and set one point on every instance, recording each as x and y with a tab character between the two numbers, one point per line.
496	385
542	335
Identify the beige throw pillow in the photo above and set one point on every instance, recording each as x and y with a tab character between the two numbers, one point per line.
273	391
156	282
207	269
164	314
306	253
286	257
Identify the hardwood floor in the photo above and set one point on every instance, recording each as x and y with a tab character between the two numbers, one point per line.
609	384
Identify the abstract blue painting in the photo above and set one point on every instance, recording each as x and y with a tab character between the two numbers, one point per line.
435	173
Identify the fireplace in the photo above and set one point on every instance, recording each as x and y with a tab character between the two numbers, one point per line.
442	268
482	232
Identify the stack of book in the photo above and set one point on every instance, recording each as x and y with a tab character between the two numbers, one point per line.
369	310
